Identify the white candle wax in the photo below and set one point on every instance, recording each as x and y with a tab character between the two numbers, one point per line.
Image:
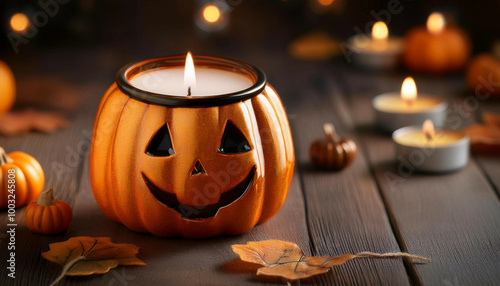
392	112
417	138
209	81
366	45
446	151
392	102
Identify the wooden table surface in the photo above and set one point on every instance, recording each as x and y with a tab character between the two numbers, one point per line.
452	218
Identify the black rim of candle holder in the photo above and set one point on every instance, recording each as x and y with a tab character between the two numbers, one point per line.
134	69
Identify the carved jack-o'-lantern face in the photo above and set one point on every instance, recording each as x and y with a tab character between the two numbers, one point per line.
232	142
197	167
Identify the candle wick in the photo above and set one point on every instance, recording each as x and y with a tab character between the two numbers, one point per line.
428	136
189	91
409	103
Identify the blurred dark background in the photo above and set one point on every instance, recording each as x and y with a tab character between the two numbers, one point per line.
101	36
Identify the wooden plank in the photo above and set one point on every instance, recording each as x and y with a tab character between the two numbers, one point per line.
344	210
452	218
61	155
491	168
490	164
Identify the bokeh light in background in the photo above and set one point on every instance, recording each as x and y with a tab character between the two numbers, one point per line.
211	13
326	6
19	22
435	23
213	16
325	2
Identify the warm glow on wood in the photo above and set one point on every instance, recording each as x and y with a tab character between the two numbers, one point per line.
19	22
435	23
211	13
409	90
428	129
380	31
189	74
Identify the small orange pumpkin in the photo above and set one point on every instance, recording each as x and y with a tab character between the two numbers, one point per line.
332	152
483	75
24	183
436	50
7	87
47	215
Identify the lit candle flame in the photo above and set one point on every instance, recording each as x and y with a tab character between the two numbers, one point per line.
211	13
380	31
409	90
428	129
19	22
435	23
189	74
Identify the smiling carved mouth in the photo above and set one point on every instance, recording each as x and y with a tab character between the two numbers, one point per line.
200	212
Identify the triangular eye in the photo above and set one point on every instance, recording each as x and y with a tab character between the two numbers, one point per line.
161	144
233	141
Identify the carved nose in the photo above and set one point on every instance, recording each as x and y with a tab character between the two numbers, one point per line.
198	168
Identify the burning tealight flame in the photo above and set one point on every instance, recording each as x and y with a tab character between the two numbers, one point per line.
428	129
211	13
380	31
435	23
409	90
19	22
189	74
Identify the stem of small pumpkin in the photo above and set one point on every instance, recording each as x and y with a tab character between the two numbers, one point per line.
66	267
330	133
4	158
46	198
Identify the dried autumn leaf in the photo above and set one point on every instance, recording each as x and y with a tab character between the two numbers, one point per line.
286	259
491	119
48	92
485	138
314	46
19	122
85	255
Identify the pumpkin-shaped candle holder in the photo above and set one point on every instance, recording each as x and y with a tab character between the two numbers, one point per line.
191	166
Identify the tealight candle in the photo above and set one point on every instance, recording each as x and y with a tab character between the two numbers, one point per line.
184	81
379	51
395	110
427	150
